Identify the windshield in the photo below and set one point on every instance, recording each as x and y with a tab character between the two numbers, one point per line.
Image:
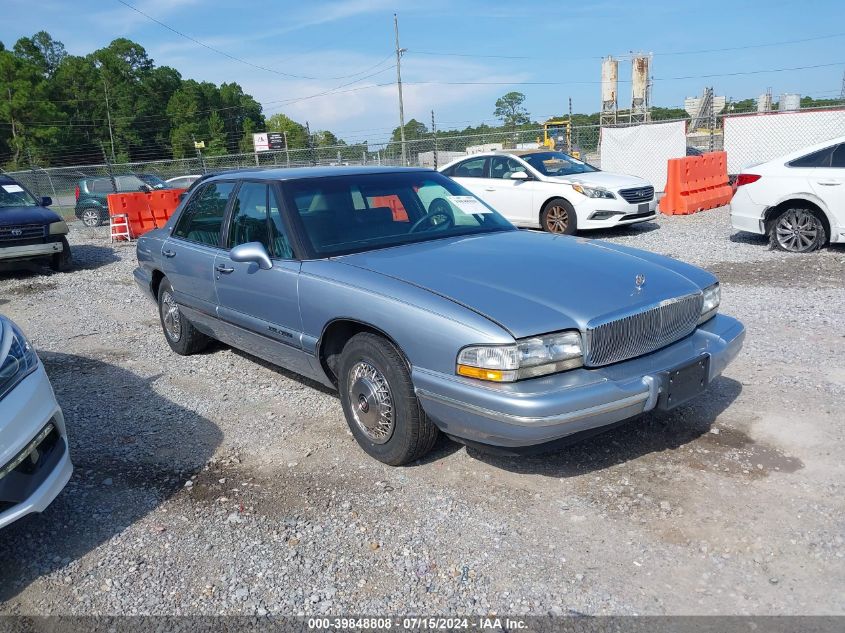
153	181
557	164
13	195
350	214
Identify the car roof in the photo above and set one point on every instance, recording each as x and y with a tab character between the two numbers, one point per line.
297	173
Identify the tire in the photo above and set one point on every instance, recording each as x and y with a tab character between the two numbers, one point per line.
181	335
62	262
92	216
379	403
797	230
558	217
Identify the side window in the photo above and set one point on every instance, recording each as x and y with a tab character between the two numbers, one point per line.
838	159
278	236
820	158
249	216
472	168
202	218
503	167
100	185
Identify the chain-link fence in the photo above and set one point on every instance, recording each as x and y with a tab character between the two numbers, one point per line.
747	138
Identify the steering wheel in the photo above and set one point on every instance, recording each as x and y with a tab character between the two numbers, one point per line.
438	208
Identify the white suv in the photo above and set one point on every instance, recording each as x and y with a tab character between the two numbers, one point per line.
554	191
798	200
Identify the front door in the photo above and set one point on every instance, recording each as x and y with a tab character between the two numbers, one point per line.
512	198
190	251
260	307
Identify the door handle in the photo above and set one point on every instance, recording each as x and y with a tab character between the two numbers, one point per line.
829	183
489	189
168	253
222	268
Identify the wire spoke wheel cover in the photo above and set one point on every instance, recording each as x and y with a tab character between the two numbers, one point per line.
170	316
797	231
371	402
557	219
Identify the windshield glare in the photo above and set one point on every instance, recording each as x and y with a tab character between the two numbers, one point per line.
13	195
557	164
350	214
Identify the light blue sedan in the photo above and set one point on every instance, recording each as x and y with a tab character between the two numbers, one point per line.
428	311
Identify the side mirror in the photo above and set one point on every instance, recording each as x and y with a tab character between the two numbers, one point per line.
520	175
46	201
251	252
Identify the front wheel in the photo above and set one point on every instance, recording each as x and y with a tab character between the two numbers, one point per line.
379	403
181	335
798	231
62	262
558	216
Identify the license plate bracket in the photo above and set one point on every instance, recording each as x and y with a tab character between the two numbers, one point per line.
642	208
683	383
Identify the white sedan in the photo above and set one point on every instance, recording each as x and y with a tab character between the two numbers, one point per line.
554	191
34	460
798	200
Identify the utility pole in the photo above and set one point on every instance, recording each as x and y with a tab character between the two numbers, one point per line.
434	133
108	116
842	92
399	52
287	153
310	144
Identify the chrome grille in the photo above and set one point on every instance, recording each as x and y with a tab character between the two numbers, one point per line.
637	194
21	232
642	332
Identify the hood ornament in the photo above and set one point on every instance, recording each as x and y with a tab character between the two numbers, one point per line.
639	281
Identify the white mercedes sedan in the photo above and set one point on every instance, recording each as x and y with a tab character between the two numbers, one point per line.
554	191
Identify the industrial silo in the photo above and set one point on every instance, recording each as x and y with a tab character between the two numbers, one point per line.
789	101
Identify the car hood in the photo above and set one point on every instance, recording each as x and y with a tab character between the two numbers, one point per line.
27	215
604	179
532	283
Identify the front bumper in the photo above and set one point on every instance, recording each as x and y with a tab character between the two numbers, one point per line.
545	409
592	212
24	412
30	251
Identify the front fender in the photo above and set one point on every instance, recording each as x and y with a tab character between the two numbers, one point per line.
429	329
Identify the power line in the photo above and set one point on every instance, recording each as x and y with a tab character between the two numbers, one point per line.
232	57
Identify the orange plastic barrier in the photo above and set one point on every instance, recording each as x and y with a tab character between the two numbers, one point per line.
696	183
145	211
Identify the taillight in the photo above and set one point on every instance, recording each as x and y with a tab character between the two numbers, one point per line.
746	179
77	192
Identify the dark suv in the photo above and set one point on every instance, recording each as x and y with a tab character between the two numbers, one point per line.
28	230
91	204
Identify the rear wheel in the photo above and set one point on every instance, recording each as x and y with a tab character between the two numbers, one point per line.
181	335
798	231
558	216
91	217
379	403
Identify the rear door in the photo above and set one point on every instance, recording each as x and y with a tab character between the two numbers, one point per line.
828	183
260	308
188	254
472	174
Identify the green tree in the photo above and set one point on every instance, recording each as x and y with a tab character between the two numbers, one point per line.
216	136
510	111
297	135
414	130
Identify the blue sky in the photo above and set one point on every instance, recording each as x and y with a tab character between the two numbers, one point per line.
350	42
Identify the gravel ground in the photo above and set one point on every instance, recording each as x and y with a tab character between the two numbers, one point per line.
219	484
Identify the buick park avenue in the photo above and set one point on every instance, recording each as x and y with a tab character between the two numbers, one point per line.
428	311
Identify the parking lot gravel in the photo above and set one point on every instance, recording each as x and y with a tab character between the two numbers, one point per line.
218	484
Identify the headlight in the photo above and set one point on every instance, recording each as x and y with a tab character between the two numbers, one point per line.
18	358
529	357
712	298
58	228
593	192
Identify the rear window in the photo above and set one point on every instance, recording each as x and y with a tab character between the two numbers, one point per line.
821	158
